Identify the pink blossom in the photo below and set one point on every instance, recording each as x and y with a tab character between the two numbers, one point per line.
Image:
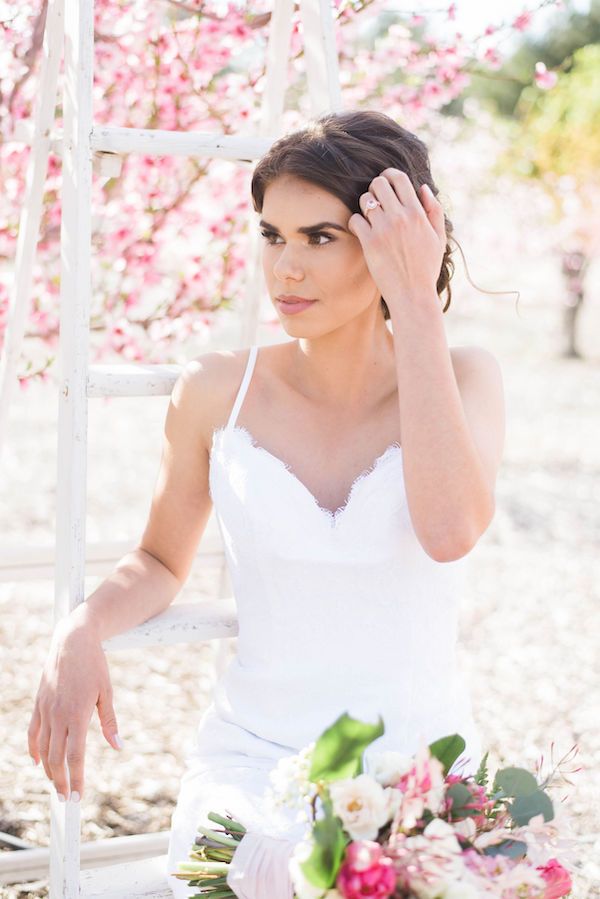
478	802
492	57
366	871
544	78
558	879
522	21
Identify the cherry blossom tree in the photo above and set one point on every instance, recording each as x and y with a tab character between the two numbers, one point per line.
169	241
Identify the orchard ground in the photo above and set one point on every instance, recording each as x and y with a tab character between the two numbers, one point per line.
528	635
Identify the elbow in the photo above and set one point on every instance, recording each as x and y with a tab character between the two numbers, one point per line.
460	541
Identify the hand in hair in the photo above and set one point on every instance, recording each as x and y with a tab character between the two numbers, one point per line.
403	239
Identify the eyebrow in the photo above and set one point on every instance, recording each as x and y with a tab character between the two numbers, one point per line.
309	229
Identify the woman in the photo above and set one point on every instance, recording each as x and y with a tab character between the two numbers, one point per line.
352	470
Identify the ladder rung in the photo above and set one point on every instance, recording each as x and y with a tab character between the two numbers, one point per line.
32	864
155	142
146	879
30	563
136	379
192	622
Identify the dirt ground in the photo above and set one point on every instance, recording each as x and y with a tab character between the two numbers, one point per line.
529	627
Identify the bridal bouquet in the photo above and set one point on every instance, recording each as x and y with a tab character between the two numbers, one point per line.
408	829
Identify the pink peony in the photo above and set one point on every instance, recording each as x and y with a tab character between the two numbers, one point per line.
558	879
366	871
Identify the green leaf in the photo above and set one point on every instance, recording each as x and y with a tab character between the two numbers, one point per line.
447	750
460	796
512	848
525	807
338	751
481	777
322	865
515	782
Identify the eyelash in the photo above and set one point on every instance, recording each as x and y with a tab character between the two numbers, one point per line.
269	234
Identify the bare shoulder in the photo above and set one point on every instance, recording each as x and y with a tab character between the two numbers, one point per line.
205	386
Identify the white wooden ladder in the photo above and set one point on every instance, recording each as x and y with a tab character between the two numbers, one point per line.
69	30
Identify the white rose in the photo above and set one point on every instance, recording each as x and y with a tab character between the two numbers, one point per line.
362	804
388	767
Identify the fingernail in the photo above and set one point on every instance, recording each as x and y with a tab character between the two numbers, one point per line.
34	761
61	798
118	741
75	796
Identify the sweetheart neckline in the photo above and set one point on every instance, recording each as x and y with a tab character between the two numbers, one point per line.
333	517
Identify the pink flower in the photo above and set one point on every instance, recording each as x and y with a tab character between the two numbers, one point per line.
478	802
544	78
522	21
558	879
366	871
422	786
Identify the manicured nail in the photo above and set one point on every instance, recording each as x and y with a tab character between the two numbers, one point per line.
61	798
118	741
75	796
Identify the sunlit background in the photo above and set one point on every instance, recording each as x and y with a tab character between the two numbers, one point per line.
529	227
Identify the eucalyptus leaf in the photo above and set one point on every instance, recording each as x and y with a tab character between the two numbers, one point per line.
526	807
447	750
512	848
460	796
515	782
338	751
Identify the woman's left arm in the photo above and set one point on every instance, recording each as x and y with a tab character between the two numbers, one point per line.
451	412
452	426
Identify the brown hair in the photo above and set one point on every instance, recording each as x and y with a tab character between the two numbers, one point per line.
342	152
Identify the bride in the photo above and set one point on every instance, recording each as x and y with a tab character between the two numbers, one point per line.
352	469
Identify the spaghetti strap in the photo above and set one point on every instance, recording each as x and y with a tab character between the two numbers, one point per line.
243	387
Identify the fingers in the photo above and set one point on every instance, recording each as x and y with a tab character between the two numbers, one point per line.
75	761
43	743
399	184
108	719
434	210
33	734
56	760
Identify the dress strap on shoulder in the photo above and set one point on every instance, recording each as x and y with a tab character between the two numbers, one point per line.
243	387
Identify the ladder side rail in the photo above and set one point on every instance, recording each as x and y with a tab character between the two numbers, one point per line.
322	68
272	106
75	299
31	210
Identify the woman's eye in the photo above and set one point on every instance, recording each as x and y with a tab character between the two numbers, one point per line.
269	235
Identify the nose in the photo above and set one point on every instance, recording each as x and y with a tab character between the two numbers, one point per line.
285	266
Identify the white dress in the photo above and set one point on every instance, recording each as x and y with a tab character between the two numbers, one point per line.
338	612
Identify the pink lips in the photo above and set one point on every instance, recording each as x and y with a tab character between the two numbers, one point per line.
290	305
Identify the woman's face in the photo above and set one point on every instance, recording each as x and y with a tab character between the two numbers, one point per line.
326	265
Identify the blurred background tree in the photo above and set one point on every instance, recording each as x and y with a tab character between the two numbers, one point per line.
554	137
556	141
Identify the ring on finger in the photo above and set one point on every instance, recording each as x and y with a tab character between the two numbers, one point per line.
371	203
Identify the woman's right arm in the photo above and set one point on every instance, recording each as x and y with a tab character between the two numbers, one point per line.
75	678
